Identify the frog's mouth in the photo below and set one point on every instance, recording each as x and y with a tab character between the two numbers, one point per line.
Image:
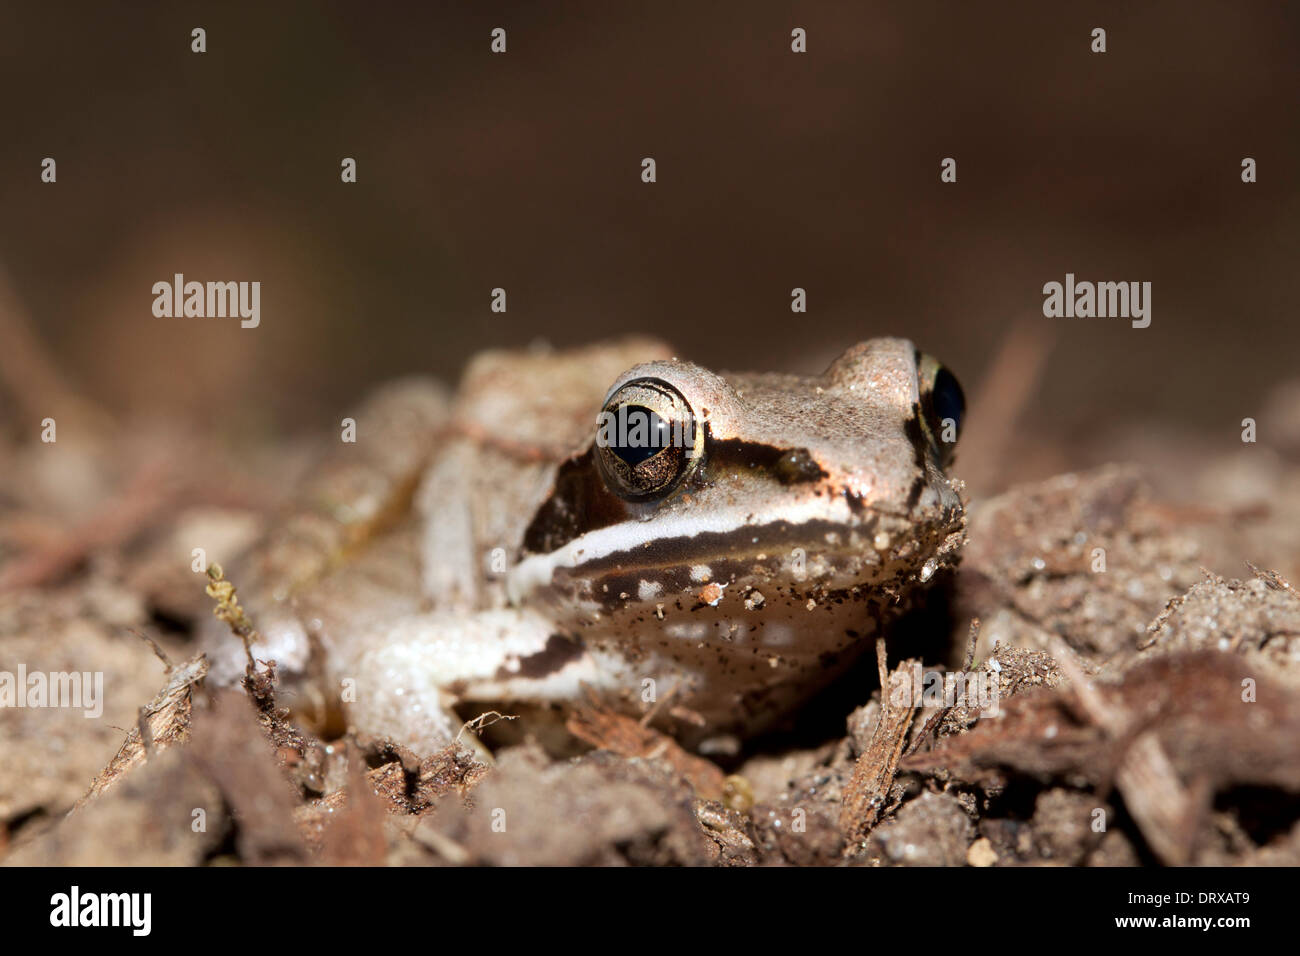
693	550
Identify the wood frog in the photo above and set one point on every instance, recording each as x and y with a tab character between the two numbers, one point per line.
609	520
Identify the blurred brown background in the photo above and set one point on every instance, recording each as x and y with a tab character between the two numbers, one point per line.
775	170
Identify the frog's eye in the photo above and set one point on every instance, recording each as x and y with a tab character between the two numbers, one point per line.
942	406
647	440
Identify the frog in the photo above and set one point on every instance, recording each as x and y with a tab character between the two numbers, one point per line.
607	523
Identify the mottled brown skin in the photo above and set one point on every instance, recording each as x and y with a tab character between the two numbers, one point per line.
815	507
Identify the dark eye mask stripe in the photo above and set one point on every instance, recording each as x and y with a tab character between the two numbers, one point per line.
580	502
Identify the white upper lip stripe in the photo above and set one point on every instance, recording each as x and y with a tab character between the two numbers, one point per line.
536	571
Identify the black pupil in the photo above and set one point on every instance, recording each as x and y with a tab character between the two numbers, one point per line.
946	398
642	434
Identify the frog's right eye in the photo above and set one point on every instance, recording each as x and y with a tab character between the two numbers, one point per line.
647	440
943	405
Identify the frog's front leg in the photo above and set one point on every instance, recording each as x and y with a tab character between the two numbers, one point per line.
417	668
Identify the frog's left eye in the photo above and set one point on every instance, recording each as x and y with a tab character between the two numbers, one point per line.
942	406
647	440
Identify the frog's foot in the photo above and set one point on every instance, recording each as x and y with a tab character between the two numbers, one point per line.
420	666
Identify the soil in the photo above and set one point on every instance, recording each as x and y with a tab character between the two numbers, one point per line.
1138	621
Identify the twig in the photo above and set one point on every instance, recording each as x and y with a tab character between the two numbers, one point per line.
972	638
153	645
873	776
478	723
1163	808
28	372
1003	394
150	490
